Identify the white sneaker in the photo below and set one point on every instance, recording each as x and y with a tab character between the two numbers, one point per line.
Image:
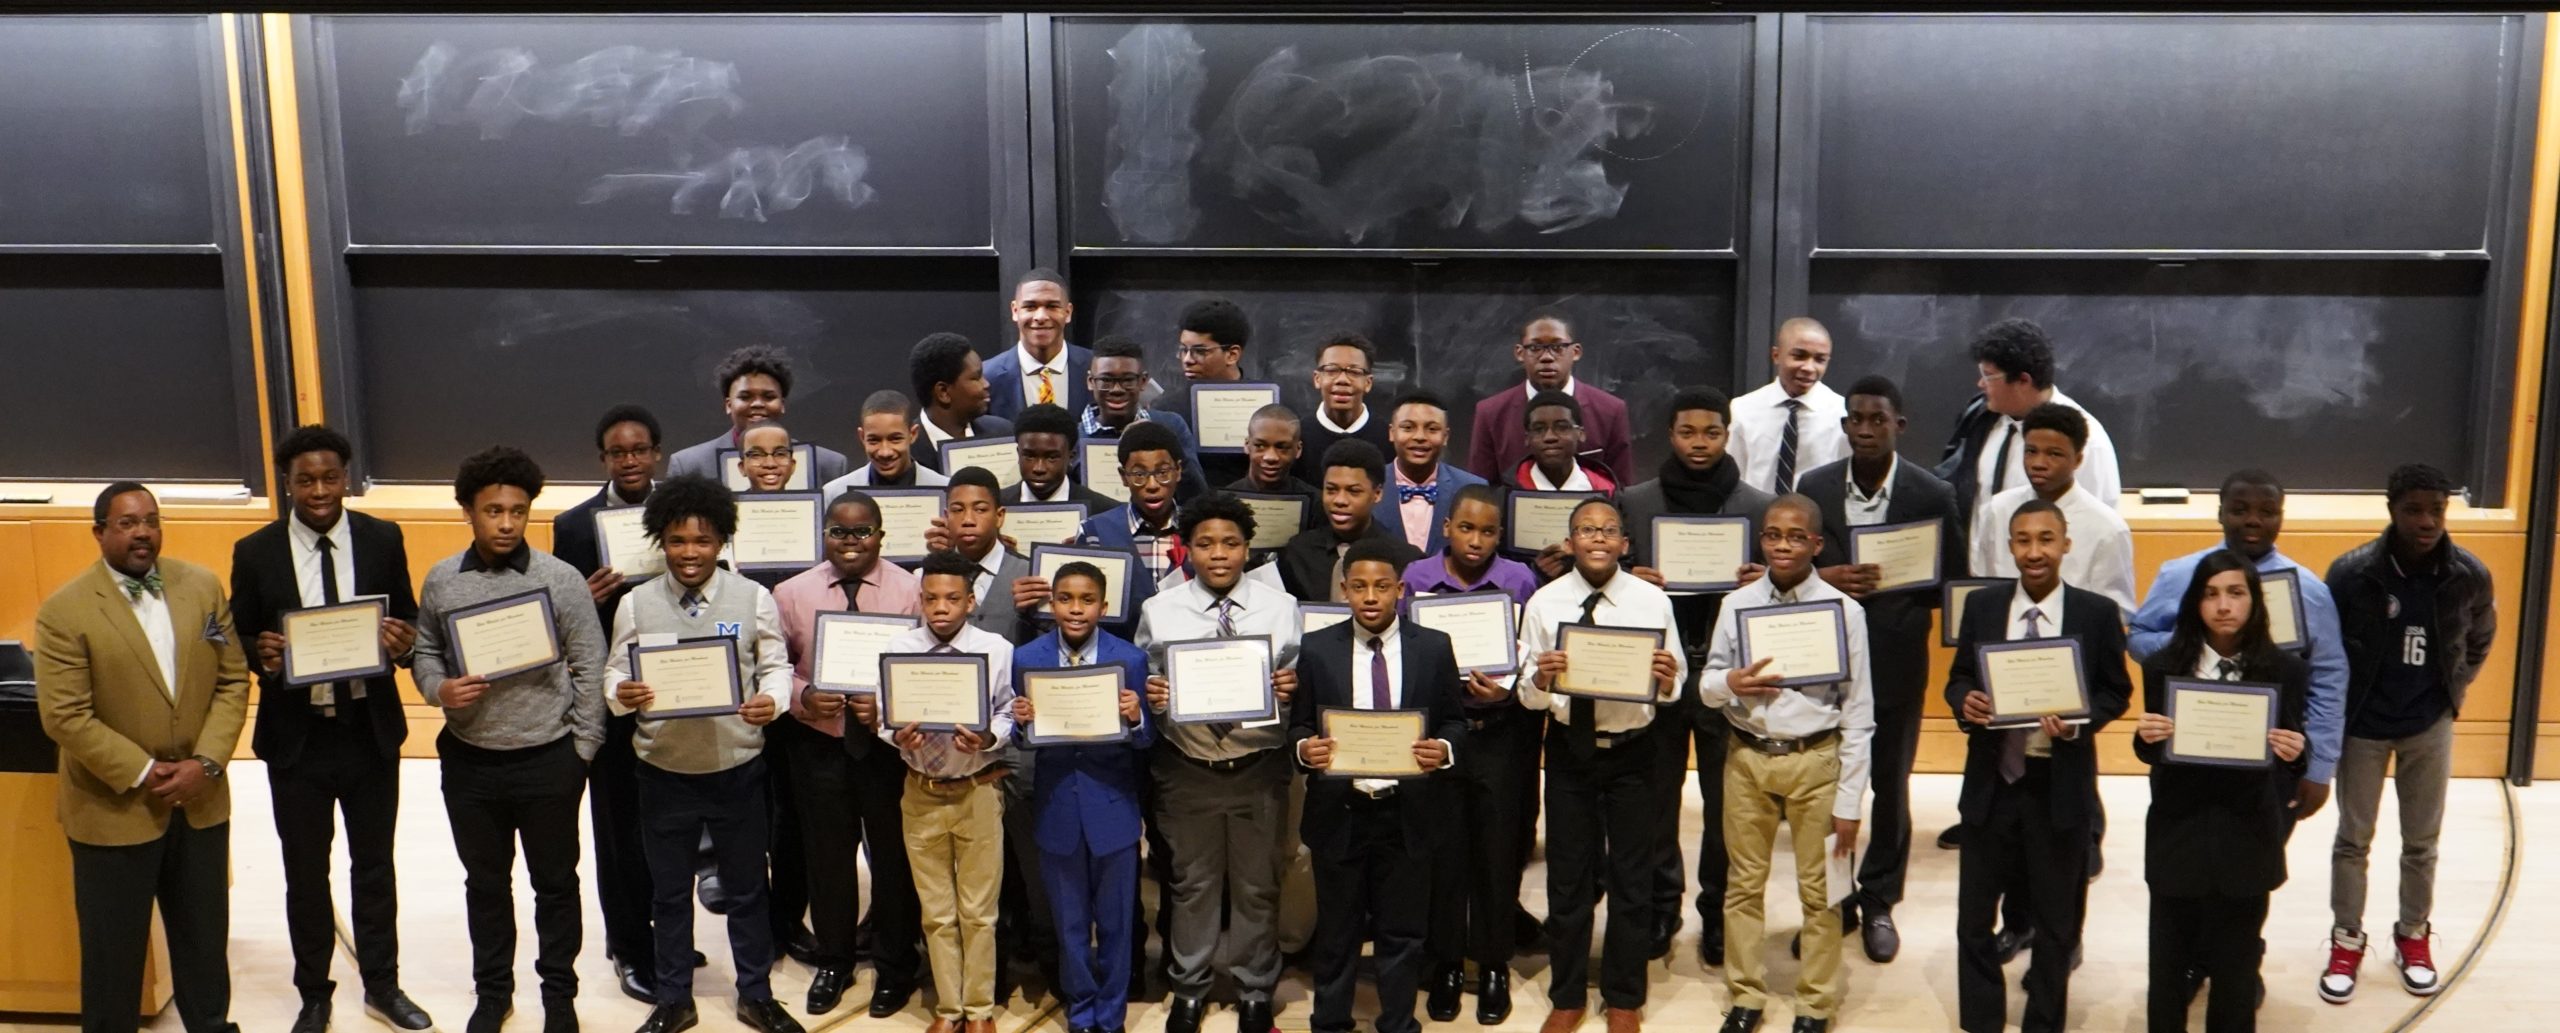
2417	962
2346	954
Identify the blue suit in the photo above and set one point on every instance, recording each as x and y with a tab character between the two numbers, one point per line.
1109	529
1390	511
1085	818
1004	382
2325	715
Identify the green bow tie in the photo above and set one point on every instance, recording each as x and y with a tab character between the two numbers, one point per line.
134	587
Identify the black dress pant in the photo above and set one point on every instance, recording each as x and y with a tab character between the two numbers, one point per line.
341	771
495	799
1024	926
677	810
1678	726
787	888
830	812
2216	935
622	870
879	780
1603	821
1373	886
2019	851
1475	885
1896	743
187	872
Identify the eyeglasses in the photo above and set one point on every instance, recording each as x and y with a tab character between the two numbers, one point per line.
760	454
1165	475
1331	371
1119	379
616	455
1774	536
128	524
855	533
1198	351
1598	532
1540	430
1548	347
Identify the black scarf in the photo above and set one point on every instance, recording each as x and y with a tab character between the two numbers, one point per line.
1691	491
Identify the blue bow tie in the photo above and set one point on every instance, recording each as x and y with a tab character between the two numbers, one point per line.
1408	493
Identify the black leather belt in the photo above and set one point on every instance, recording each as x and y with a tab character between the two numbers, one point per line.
1229	764
1613	740
1784	747
1380	795
1481	718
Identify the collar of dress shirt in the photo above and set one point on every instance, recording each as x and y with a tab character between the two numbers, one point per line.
1138	522
2050	607
1395	470
2208	661
1360	636
1531	390
613	496
1579	481
1884	488
934	435
1325	420
1062	494
520	560
1091	423
1031	367
309	540
709	589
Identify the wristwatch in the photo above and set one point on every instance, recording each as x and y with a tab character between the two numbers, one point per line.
211	769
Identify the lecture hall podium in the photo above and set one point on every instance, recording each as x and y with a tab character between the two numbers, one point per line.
39	934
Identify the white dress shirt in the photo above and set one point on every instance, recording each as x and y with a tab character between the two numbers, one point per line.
1031	367
1864	510
2097	460
2209	663
1529	390
926	477
305	544
1760	417
935	436
2048	624
151	610
937	758
2101	556
1802	712
1626	601
1189	611
1577	481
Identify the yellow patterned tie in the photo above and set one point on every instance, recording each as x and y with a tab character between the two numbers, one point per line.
1048	393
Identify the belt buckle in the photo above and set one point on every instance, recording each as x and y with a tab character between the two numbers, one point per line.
1386	793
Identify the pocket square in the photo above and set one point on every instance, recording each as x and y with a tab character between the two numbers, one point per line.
213	630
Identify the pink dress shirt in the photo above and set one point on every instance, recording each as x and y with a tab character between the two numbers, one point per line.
888	588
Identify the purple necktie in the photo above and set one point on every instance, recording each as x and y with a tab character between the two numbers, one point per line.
1379	699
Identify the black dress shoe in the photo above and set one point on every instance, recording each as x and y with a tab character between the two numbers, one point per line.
489	1014
1952	838
1711	945
700	960
2191	982
634	983
1742	1020
1185	1017
1528	934
800	947
314	1017
890	997
670	1018
1442	1000
559	1016
1809	1024
394	1007
714	896
1253	1017
1664	929
1493	997
767	1016
2006	945
1882	940
826	989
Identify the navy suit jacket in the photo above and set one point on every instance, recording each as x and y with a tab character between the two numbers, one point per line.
1390	511
1431	685
1086	797
2099	624
1004	382
929	455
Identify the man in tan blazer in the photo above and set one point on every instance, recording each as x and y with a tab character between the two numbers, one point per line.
141	682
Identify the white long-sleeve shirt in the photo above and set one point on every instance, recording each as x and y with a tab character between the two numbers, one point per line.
1797	713
1626	601
2101	556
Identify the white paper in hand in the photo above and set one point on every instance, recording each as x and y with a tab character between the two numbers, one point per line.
1840	874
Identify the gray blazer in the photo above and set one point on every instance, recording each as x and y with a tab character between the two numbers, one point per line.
995	613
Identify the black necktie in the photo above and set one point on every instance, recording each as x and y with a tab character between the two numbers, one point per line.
1787	447
2000	471
329	597
2227	670
852	593
1581	724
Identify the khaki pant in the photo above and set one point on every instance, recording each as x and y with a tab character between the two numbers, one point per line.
1759	790
955	844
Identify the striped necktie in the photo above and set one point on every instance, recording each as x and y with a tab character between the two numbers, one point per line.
1786	481
2013	743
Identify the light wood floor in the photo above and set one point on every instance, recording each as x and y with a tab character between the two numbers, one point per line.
2509	989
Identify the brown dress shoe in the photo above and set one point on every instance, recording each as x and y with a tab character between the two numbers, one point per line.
1563	1020
979	1026
1626	1020
941	1025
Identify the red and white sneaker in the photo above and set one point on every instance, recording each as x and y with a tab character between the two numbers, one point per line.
2417	963
2346	954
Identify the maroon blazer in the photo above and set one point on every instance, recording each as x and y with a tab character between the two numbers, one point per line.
1498	440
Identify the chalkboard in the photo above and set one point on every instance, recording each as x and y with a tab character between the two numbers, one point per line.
2326	373
1648	328
2308	132
106	123
1359	133
551	342
159	327
666	131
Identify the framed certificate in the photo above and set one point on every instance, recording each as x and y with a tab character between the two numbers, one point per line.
1602	662
845	649
994	455
1044	523
1075	706
1314	617
335	643
1276	518
2222	723
1117	568
1220	679
503	637
938	692
1372	743
623	544
1905	555
779	531
2031	679
1222	413
905	515
1101	466
1533	520
693	678
1700	553
1479	626
1951	597
1805	643
804	468
2282	589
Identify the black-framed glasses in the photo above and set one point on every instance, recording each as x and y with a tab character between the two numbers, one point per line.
855	533
1332	370
1548	347
1777	536
1123	380
1599	532
619	454
762	454
1166	475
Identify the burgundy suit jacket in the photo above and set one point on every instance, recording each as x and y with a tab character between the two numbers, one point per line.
1498	441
